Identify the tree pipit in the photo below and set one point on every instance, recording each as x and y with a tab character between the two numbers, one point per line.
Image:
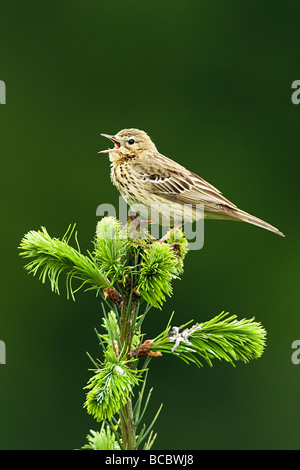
160	186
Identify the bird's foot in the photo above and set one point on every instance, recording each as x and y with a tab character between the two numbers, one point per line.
135	223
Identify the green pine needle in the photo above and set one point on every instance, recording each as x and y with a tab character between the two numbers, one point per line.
223	337
158	268
180	247
110	387
52	257
110	247
104	439
135	272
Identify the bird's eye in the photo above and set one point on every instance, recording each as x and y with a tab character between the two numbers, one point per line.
131	141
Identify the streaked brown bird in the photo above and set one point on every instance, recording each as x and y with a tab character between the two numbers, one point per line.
161	186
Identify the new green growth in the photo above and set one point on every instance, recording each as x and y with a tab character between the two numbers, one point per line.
131	277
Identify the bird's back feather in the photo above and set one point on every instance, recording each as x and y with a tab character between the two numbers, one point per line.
171	181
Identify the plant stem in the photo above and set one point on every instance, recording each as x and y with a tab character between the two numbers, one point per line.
127	426
126	334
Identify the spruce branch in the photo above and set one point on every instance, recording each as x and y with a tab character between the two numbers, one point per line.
52	257
110	387
158	268
104	439
179	244
111	247
131	277
223	337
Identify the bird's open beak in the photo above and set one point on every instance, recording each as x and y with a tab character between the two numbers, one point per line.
114	140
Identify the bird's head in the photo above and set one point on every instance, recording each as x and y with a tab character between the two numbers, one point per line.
129	143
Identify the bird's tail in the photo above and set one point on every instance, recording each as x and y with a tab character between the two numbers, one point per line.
245	217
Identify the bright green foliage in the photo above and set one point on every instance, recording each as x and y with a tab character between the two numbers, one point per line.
110	387
102	440
115	255
110	248
131	276
157	271
110	323
222	337
161	262
180	247
52	257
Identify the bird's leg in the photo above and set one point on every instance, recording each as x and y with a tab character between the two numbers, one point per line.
165	237
135	221
135	225
131	217
170	232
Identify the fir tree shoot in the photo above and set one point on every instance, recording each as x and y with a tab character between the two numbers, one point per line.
131	276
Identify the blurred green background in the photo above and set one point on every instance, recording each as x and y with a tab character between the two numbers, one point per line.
211	83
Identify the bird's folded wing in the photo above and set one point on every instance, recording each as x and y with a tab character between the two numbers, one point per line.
165	178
